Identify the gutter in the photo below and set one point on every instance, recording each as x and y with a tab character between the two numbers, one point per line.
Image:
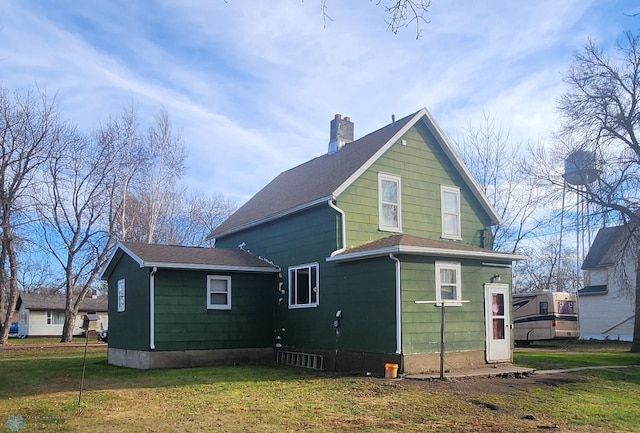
343	223
152	308
398	306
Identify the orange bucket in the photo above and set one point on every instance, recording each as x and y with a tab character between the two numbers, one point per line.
390	371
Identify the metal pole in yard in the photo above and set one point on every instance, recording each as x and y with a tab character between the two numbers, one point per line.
442	340
84	364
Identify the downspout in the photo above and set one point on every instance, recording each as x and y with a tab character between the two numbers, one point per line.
152	308
398	306
343	223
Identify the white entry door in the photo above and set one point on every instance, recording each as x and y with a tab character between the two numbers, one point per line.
497	322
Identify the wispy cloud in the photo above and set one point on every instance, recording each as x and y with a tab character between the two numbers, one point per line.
253	88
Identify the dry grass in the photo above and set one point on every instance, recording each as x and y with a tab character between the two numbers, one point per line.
41	385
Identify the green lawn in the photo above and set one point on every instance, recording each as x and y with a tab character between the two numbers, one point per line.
41	385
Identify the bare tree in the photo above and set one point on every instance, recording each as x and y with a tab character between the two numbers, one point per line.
400	13
166	164
497	164
547	268
29	130
191	217
601	116
121	138
76	218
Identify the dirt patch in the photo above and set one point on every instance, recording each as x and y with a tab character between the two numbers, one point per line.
469	387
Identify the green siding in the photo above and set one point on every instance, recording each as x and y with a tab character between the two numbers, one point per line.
464	328
130	328
183	322
365	292
423	167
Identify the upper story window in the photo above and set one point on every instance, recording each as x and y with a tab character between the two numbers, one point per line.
450	207
303	286
448	282
218	292
121	295
389	207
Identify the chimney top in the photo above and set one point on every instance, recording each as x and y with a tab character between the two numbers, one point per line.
341	133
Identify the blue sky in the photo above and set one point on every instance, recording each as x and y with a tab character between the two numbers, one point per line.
253	88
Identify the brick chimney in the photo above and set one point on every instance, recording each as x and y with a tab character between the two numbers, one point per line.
341	133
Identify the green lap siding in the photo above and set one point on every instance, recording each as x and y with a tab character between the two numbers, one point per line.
423	167
363	291
129	329
183	322
464	328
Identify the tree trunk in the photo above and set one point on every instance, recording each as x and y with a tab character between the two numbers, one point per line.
69	325
635	346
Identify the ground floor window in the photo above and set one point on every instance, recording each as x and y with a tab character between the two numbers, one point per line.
448	282
55	318
218	292
303	286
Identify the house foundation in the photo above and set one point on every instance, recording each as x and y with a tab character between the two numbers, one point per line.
145	360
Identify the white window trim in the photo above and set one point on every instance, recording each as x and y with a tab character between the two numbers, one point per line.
457	267
211	306
451	190
49	318
316	285
397	180
121	295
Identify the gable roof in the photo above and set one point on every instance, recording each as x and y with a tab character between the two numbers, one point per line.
414	245
187	258
57	302
325	177
601	253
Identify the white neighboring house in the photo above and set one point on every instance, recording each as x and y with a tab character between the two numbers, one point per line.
607	308
42	315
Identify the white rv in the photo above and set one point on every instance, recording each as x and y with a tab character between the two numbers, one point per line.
545	315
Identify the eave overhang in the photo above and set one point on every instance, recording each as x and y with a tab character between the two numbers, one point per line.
426	251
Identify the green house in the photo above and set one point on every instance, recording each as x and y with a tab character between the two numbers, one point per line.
346	262
178	306
373	239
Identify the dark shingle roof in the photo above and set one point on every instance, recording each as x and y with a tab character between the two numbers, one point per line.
181	257
593	290
312	181
409	244
57	302
601	253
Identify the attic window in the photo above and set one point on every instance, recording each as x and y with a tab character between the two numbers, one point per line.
389	206
450	207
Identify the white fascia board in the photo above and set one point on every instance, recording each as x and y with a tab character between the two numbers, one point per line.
202	267
449	151
276	216
422	251
379	153
120	249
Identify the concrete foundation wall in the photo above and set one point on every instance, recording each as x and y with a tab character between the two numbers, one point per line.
188	358
430	362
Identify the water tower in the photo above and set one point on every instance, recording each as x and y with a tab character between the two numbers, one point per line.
580	170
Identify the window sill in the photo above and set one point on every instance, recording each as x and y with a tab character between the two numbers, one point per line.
451	238
296	307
